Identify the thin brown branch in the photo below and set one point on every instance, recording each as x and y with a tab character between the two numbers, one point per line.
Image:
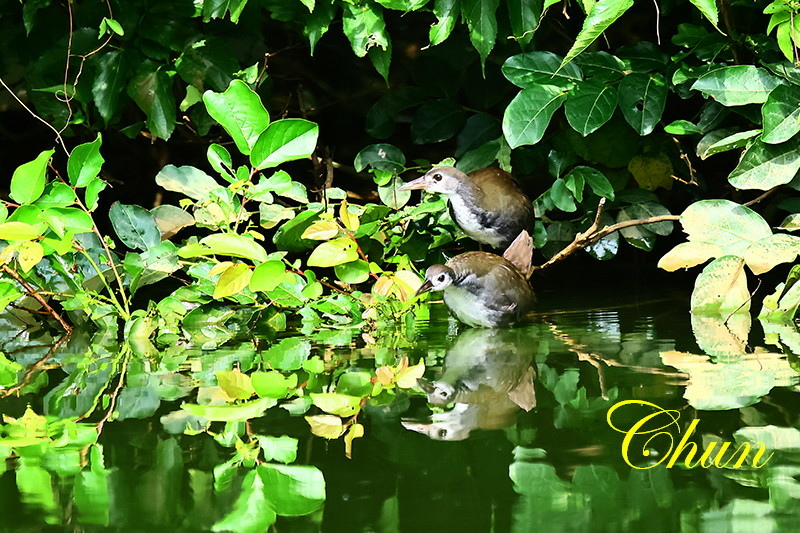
38	297
36	366
594	233
762	197
113	403
34	115
685	158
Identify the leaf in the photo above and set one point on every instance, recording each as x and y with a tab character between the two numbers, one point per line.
408	377
590	105
282	449
189	181
337	404
721	141
595	179
233	280
321	230
641	99
639	236
763	255
227	413
364	26
689	254
709	10
334	252
524	17
539	68
350	221
682	127
170	219
284	140
482	24
726	224
235	384
392	196
29	254
527	116
28	180
382	157
326	426
652	171
446	12
287	354
267	276
67	220
561	196
436	121
92	194
721	287
764	166
229	244
151	89
353	272
293	490
273	384
737	85
84	163
318	22
252	512
240	113
781	115
355	431
601	15
17	231
109	83
134	226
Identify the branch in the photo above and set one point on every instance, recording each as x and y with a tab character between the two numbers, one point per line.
38	297
594	233
34	368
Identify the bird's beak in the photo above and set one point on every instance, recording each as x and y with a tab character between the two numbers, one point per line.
418	183
425	287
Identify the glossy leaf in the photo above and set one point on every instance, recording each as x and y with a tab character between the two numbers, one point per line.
721	287
334	252
84	163
364	26
337	404
728	225
17	231
590	105
539	68
601	15
641	99
709	10
689	254
781	115
226	413
482	24
763	255
764	166
294	490
527	116
151	89
233	280
28	180
524	17
719	141
170	219
737	85
67	220
353	272
284	140
252	512
240	112
282	449
326	426
446	12
392	196
134	226
436	121
319	21
226	244
382	157
273	384
235	384
109	84
267	276
187	180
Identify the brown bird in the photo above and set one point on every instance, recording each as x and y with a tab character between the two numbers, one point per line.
486	204
483	289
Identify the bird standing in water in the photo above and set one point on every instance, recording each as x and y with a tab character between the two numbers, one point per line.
483	289
486	204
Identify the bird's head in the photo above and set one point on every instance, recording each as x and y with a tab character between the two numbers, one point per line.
445	180
437	278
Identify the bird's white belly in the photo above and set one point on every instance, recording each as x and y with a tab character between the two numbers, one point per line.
469	221
468	308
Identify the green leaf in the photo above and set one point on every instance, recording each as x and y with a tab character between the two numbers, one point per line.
524	17
233	280
353	272
381	59
436	121
561	196
392	196
595	179
235	384
17	231
151	89
709	10
240	113
728	225
590	105
364	26
84	163
527	116
601	15
92	194
539	68
253	511
641	99
134	226
267	276
28	180
737	85
337	404
335	252
639	236
721	287
227	413
719	141
288	236
170	219
482	24
109	84
682	127
781	115
284	140
230	244
273	384
293	490
382	157
764	166
64	220
446	12
287	354
318	22
282	449
189	181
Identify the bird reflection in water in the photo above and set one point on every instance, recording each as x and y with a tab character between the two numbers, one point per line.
487	377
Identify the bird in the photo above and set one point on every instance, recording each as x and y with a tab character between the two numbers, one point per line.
486	203
482	289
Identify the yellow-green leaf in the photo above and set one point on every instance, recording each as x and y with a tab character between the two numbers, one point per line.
337	404
326	426
233	280
321	230
349	220
335	252
29	254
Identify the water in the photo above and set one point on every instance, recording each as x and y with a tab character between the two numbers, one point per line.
512	434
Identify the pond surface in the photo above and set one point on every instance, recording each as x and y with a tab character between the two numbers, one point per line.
508	431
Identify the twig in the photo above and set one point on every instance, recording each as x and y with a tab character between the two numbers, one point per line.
38	297
685	159
36	366
113	403
34	115
762	196
594	234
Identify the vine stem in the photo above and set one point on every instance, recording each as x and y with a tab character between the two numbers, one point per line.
36	366
594	233
38	297
113	404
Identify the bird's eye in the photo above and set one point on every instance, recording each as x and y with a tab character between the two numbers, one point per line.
442	433
437	177
440	279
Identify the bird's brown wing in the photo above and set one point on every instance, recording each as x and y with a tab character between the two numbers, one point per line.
495	184
520	253
509	289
